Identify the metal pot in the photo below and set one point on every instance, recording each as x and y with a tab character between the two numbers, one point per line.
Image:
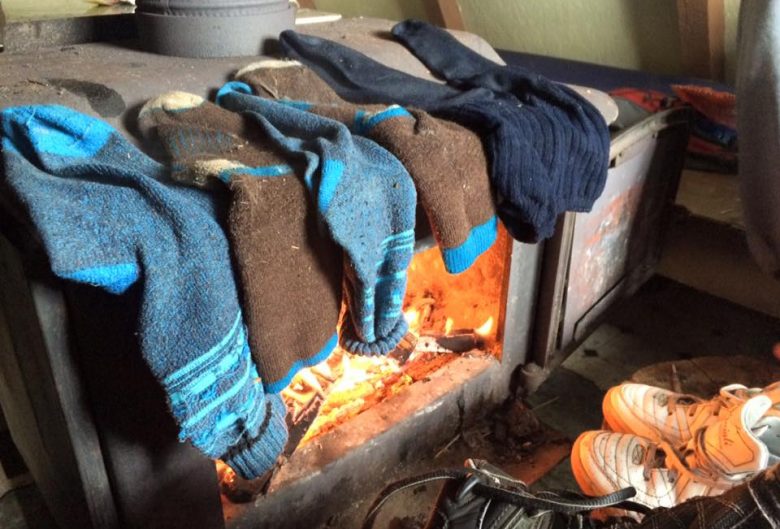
211	28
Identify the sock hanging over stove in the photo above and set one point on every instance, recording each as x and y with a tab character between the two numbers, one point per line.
446	161
366	198
534	154
107	215
464	68
289	268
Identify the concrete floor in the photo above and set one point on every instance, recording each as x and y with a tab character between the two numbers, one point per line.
664	321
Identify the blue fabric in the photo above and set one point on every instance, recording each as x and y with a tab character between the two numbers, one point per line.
115	278
548	148
480	239
365	197
108	216
460	258
278	385
575	135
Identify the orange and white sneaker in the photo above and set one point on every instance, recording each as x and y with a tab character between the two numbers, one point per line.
661	415
717	458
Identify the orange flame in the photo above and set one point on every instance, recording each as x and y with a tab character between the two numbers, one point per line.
448	325
436	303
484	329
412	318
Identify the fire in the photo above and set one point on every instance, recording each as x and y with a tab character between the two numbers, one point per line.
412	317
484	329
448	325
438	307
346	384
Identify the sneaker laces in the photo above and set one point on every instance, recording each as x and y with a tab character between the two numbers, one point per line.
687	459
481	481
728	397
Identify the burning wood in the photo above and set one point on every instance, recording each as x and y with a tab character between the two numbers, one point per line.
349	384
458	342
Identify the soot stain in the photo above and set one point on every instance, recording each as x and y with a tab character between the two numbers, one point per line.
104	100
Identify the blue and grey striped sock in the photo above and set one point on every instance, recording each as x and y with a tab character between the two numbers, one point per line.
108	216
365	197
282	254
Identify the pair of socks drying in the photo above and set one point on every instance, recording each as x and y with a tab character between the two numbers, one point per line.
445	160
303	189
259	148
548	148
109	216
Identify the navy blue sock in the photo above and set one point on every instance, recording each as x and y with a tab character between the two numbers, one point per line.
531	150
108	216
366	198
358	79
586	156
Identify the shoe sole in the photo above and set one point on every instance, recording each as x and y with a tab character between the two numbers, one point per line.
581	475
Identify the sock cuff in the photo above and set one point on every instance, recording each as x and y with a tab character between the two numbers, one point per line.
278	385
253	456
216	398
231	87
365	121
381	346
266	64
171	102
480	239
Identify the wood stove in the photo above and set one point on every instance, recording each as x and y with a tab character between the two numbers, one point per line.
92	424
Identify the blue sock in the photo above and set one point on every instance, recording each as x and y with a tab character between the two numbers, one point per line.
582	134
367	200
282	255
107	216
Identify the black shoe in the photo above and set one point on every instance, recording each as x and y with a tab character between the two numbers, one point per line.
481	496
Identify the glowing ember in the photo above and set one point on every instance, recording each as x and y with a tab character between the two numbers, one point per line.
448	325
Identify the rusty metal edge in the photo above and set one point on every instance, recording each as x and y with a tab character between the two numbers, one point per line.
557	253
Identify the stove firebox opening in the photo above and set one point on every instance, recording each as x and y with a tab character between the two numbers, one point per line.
450	317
